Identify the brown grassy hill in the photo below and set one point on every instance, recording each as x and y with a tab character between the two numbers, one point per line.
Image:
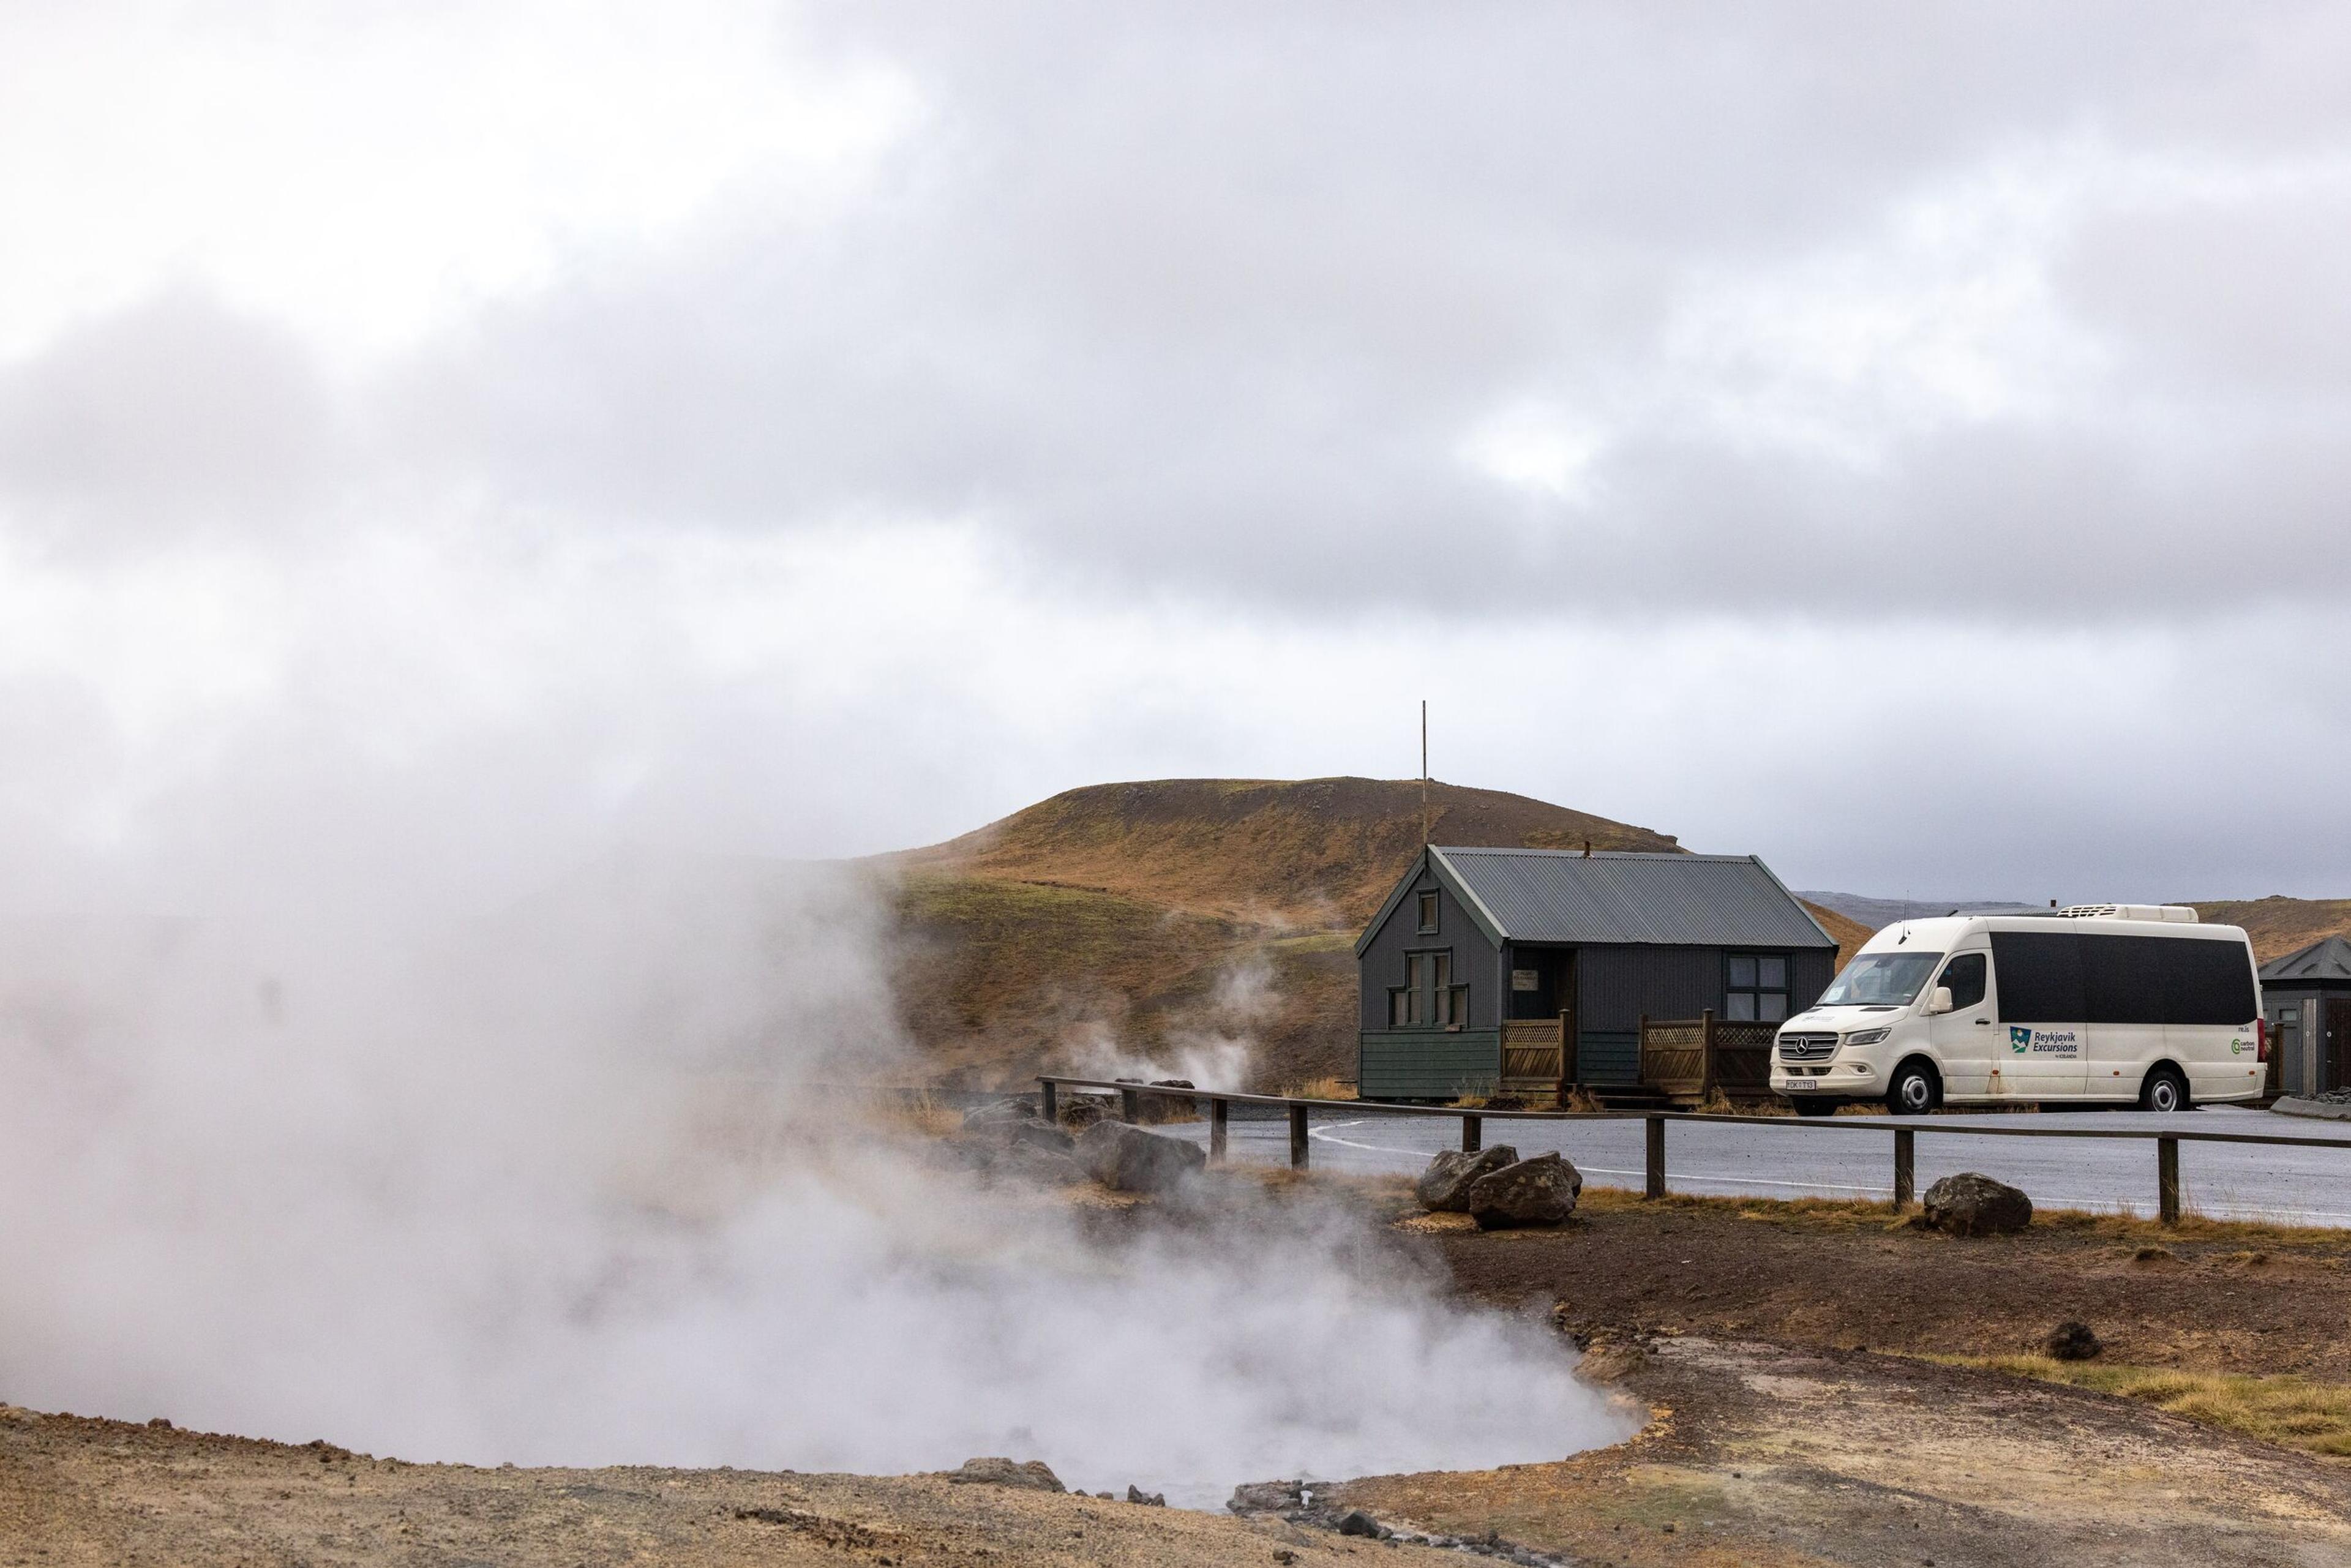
1849	934
1172	916
1324	849
2279	926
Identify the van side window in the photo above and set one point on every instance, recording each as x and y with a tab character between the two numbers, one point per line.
1965	975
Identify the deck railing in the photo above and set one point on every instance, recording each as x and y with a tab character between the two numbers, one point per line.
1689	1059
1906	1129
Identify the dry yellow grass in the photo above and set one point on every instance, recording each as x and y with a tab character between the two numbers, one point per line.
916	1112
1322	1089
1718	1104
2290	1411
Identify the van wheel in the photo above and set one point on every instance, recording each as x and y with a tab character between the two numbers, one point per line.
2165	1089
1814	1106
1914	1090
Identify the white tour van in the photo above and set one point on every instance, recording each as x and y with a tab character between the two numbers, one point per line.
2099	1002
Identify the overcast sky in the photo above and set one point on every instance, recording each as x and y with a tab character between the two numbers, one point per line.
1906	442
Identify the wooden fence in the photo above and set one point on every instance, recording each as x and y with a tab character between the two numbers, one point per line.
1689	1059
1534	1056
1906	1129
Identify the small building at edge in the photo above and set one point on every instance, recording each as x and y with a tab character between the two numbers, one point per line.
1485	965
2307	995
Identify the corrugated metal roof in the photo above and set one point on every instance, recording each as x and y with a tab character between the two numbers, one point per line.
2329	958
1562	896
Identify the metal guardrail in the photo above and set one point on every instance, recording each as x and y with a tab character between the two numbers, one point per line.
1905	1130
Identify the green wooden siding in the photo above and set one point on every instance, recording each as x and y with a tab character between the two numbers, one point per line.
1428	1064
1607	1056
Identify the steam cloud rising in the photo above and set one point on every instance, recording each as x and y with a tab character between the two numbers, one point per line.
556	1185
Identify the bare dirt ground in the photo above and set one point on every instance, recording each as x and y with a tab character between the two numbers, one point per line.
2208	1296
1772	1457
1779	1438
96	1494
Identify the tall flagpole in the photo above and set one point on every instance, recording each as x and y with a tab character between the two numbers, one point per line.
1424	773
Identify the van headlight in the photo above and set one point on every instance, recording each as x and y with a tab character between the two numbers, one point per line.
1868	1036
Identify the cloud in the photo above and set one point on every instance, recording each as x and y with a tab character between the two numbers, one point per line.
1259	308
1027	399
176	416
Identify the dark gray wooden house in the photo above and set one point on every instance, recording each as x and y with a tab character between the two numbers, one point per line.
1511	969
2307	996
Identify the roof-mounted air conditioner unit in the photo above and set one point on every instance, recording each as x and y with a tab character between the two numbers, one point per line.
2176	914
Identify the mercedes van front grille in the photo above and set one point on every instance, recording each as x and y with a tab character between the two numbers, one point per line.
1807	1047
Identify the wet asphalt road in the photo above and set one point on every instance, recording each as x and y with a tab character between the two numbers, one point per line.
1792	1159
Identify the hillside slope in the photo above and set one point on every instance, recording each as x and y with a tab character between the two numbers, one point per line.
1326	850
1202	926
2278	924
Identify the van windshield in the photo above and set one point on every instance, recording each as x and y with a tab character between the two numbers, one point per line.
1880	979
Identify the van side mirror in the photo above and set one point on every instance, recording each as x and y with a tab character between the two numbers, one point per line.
1939	999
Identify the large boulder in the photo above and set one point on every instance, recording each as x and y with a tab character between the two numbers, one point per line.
1540	1191
2072	1340
1031	1474
1129	1159
1268	1497
1444	1186
1971	1204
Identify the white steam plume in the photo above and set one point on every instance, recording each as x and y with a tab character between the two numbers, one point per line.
556	1186
1215	1049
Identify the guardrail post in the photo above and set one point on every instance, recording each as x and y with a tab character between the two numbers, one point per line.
1297	1137
1906	1178
2167	1178
1217	1110
1048	1100
1130	1106
1473	1134
1656	1182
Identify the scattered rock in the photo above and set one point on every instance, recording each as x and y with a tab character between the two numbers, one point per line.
1147	1499
1031	1474
1540	1191
1970	1204
1355	1521
1128	1159
1444	1186
161	1423
1283	1555
1267	1497
2072	1340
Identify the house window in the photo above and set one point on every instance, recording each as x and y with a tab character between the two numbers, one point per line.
1428	998
1427	912
1757	988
